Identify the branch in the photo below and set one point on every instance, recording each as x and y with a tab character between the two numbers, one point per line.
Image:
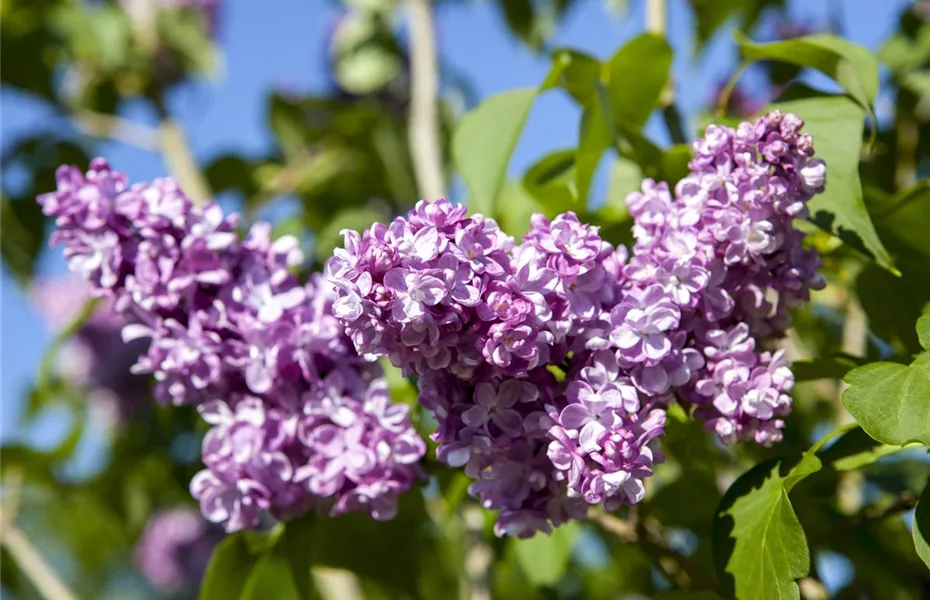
119	129
871	514
657	24
22	551
680	569
478	555
181	163
425	147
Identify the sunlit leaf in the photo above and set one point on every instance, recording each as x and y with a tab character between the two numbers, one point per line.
544	558
921	527
484	142
639	71
835	123
891	401
849	64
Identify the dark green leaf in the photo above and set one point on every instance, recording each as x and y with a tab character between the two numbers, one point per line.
286	121
687	595
552	181
639	71
576	73
890	401
386	552
484	142
233	562
596	136
903	221
829	367
835	123
711	15
544	558
22	233
850	65
921	527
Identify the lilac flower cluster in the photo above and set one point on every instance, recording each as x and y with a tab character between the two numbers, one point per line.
299	420
485	323
175	548
732	263
480	320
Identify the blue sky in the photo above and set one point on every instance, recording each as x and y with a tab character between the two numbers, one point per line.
284	47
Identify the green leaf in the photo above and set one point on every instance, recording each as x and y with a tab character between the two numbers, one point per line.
389	553
923	331
515	208
597	135
544	558
918	82
233	563
22	233
625	178
639	71
828	367
577	73
759	544
903	221
552	180
287	122
921	527
484	141
687	595
835	123
849	64
890	401
711	15
893	303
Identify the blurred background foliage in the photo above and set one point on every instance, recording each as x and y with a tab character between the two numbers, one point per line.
340	159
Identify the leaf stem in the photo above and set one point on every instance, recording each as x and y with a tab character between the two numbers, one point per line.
871	514
723	100
423	125
180	160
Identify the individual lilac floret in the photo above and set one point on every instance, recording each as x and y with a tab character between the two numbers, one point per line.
175	548
233	331
726	252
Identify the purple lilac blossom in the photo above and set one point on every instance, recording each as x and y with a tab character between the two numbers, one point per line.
175	548
479	319
482	321
299	419
729	231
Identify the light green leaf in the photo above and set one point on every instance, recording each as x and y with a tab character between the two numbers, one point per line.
891	401
484	142
515	209
902	52
849	64
921	527
639	71
918	82
544	558
625	178
835	123
596	136
923	331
